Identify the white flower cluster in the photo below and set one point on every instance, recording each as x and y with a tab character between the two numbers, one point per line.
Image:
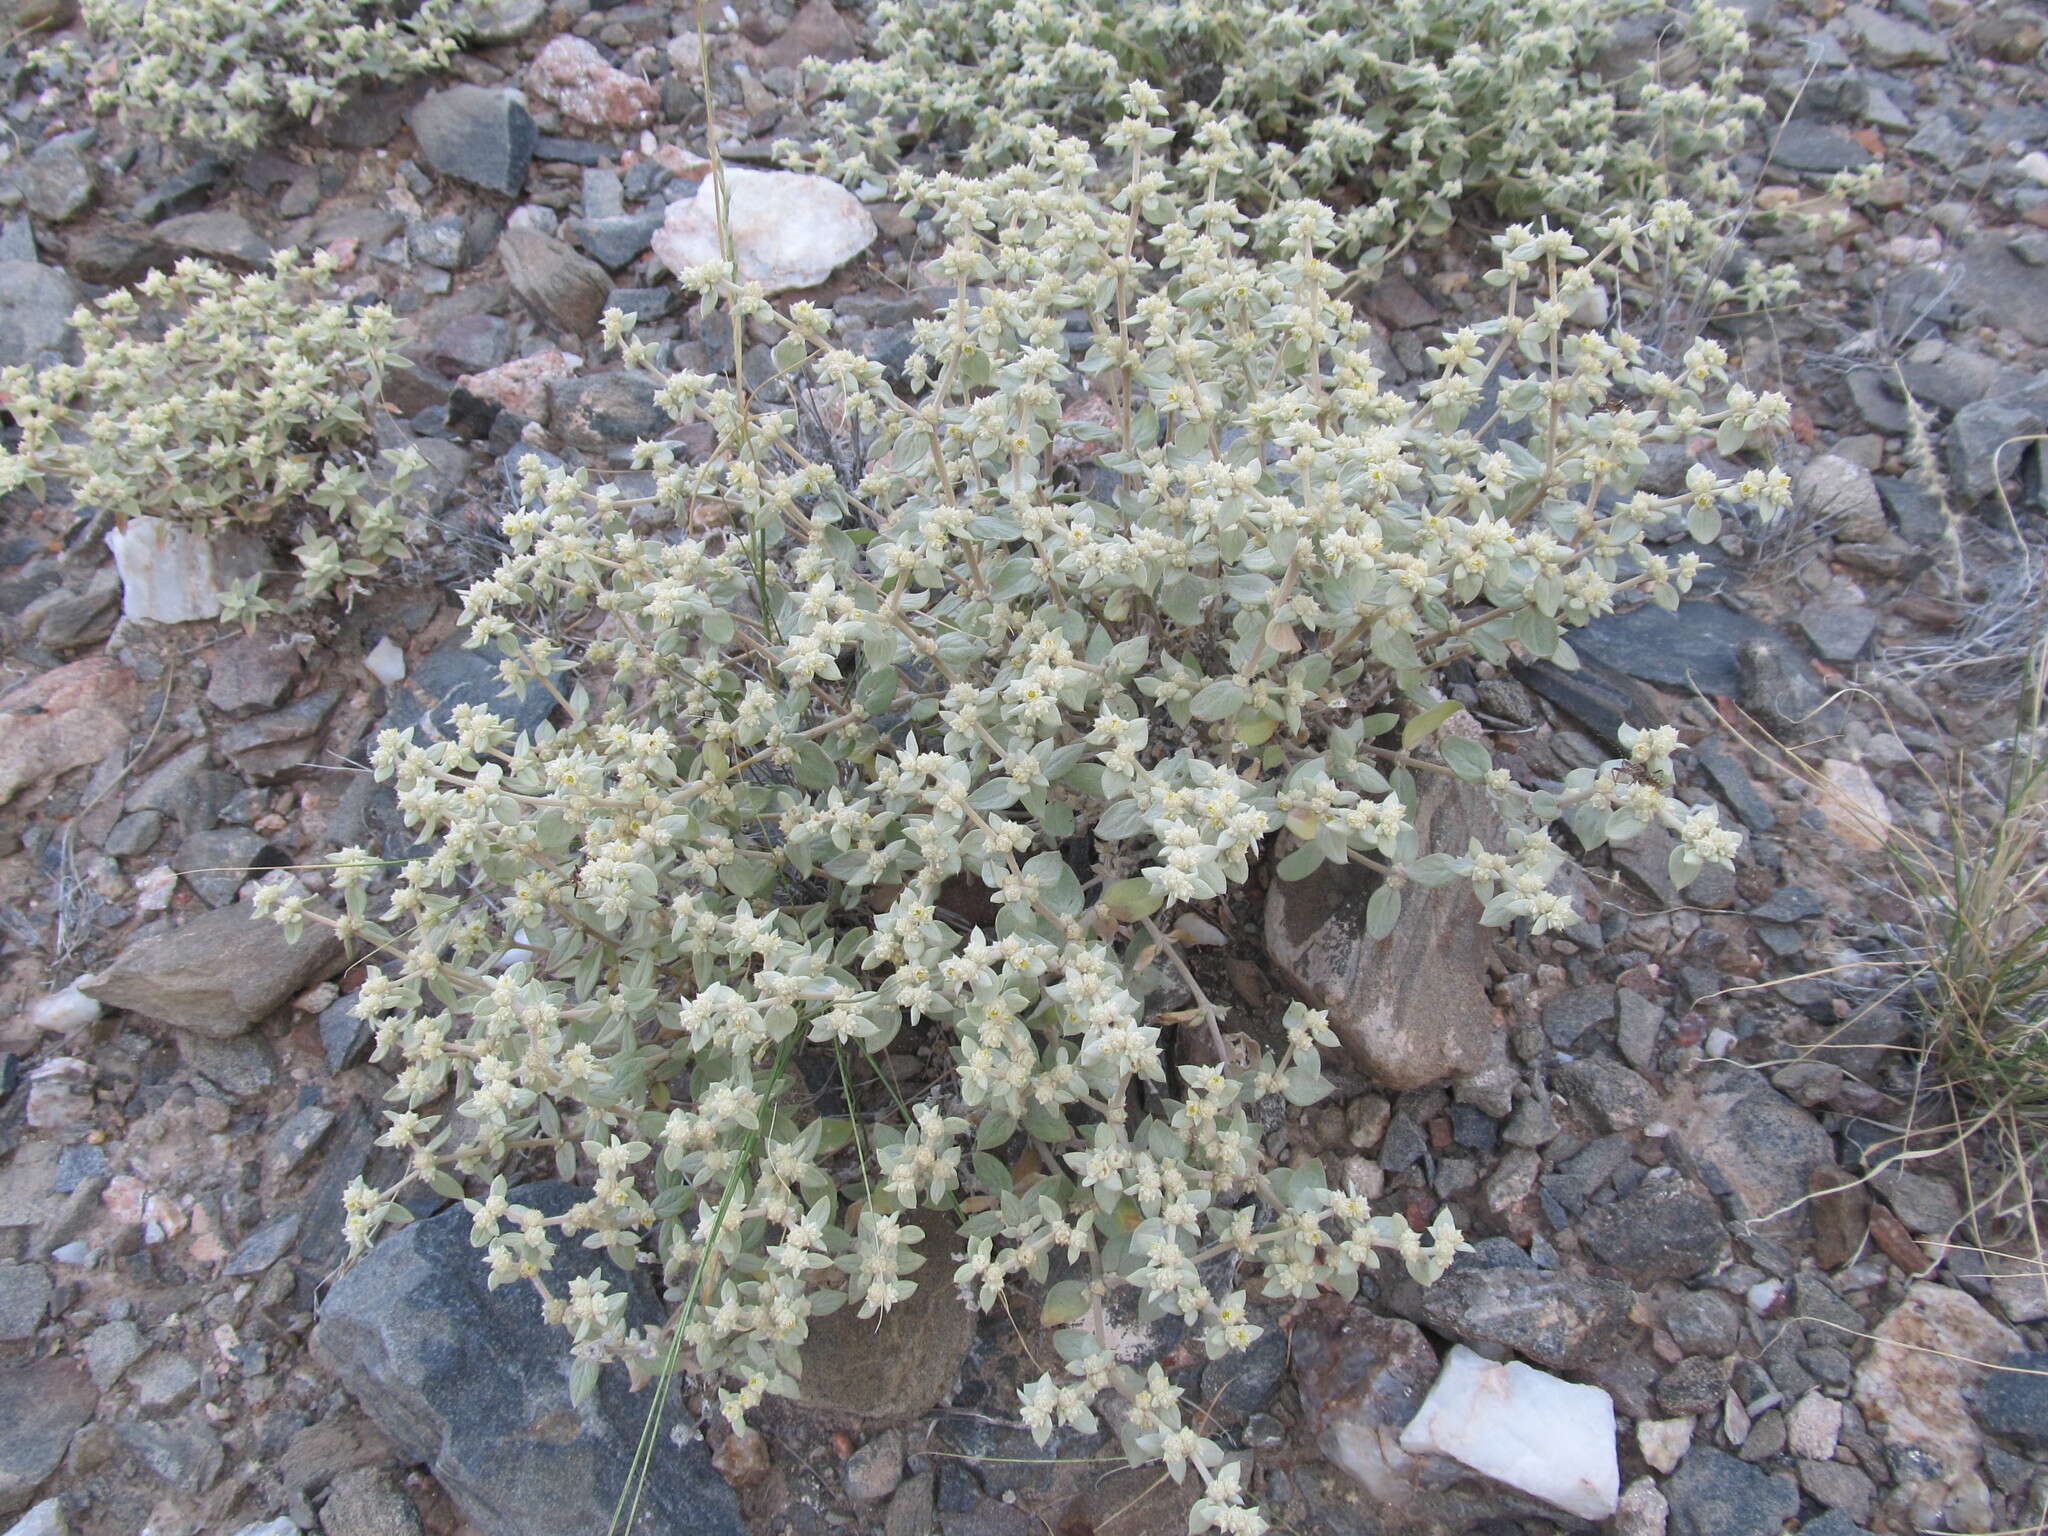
880	758
226	401
220	72
1407	106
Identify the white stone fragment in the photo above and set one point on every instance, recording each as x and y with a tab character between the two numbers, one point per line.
1664	1442
1814	1426
62	1012
386	662
788	230
46	1519
174	575
1550	1438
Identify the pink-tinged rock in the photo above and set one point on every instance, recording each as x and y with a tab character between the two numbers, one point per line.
521	386
125	1198
68	718
1914	1390
572	76
789	230
1854	808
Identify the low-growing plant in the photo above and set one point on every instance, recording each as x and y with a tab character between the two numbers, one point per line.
222	402
219	73
1148	564
1539	108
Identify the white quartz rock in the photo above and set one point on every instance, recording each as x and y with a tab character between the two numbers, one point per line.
62	1012
1550	1438
788	230
386	662
173	574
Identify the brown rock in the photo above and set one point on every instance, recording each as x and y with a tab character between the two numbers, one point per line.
1362	1379
71	717
817	31
1841	1215
219	973
251	672
903	1361
567	290
743	1459
1410	1008
1890	1234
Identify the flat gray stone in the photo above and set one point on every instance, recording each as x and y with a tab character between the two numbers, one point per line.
1839	631
470	1381
35	310
24	1299
219	973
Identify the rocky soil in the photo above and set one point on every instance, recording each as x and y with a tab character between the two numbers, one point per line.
1710	1294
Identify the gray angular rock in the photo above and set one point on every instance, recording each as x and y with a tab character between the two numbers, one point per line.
1557	1319
1751	1142
186	1453
1889	42
58	181
217	235
218	974
479	136
2013	1400
264	1247
1777	685
217	864
1571	1013
110	1349
1804	145
1713	1494
491	22
616	240
343	1037
1693	648
1411	1009
470	1381
24	1298
251	672
367	1501
1980	448
35	310
1608	1094
1666	1230
2011	291
1838	631
163	1384
1362	1378
1841	496
600	410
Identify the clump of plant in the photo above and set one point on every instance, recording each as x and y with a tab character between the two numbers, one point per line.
1065	635
225	402
219	73
1397	109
